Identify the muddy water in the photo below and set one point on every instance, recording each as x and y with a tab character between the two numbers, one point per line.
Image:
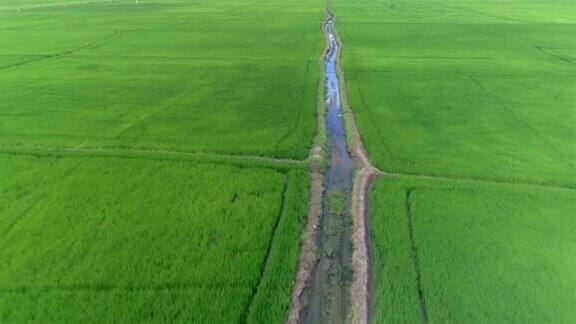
328	301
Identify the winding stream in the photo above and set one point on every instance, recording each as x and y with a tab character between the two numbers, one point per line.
328	301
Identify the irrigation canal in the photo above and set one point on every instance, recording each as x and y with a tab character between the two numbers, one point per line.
329	287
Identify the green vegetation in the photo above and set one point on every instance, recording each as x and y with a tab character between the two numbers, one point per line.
233	77
335	223
478	90
474	89
105	239
272	300
485	252
337	202
137	141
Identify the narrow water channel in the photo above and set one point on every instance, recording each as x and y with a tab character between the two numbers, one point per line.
328	302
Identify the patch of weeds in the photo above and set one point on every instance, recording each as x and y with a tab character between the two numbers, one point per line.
337	202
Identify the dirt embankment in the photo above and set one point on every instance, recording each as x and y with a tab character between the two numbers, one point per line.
361	287
308	250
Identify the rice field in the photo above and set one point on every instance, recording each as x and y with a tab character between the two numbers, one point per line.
229	77
108	239
477	252
153	158
468	89
469	106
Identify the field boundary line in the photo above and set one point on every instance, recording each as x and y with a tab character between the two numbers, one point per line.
100	287
565	60
414	256
152	155
485	180
266	264
63	53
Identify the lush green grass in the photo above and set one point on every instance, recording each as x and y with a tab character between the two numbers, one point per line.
108	239
486	253
481	89
234	77
135	235
469	90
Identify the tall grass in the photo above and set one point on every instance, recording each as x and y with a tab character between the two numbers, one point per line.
228	77
106	239
474	89
486	252
272	299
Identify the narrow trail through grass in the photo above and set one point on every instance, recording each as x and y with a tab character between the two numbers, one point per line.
483	180
415	258
268	251
149	154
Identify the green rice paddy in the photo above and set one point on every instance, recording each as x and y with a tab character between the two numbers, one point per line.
474	89
106	239
485	252
153	156
233	77
137	179
463	91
